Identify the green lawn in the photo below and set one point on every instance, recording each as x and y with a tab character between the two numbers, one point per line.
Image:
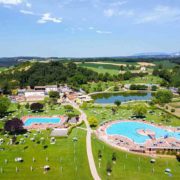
149	79
98	87
132	167
126	110
69	155
56	110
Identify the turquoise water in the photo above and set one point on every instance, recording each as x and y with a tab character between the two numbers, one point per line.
123	97
129	129
41	120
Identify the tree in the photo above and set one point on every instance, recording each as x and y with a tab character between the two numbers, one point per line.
163	96
114	157
14	126
36	107
116	88
140	110
54	94
27	106
93	122
117	103
154	88
68	108
4	105
127	75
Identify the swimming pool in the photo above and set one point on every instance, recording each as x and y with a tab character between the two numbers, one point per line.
42	120
129	130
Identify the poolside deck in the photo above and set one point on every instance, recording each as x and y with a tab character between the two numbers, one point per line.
149	147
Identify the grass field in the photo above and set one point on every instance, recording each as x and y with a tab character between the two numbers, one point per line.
166	64
67	159
98	87
149	79
125	111
2	69
132	167
102	68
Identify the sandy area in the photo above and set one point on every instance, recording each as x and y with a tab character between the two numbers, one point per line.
146	64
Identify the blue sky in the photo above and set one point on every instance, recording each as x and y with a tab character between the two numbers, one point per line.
81	28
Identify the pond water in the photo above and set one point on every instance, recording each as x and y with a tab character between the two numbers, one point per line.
107	98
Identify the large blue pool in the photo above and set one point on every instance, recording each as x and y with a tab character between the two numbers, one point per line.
129	130
42	120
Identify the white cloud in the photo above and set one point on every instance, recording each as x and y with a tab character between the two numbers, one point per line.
109	12
126	13
48	18
11	2
27	12
29	5
118	3
160	14
103	32
91	28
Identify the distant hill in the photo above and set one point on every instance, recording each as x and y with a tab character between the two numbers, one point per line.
157	55
147	57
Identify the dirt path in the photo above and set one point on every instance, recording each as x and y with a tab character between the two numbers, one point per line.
88	143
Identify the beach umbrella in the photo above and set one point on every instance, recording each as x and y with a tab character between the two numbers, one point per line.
153	161
46	167
167	170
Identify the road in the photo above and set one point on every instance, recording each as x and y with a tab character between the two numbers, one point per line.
88	143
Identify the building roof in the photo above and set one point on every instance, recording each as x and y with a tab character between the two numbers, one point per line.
51	86
59	132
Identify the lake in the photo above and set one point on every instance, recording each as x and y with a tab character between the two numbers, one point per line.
110	98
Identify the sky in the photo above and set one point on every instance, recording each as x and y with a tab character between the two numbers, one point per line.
88	28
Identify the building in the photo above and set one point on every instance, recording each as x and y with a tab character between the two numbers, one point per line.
34	95
51	88
143	69
40	88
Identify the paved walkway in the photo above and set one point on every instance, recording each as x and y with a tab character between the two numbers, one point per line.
88	143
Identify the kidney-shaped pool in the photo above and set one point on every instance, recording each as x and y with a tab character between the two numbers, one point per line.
131	129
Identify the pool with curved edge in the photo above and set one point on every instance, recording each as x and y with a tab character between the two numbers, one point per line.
42	120
130	130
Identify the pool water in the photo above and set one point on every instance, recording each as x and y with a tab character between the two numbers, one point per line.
41	120
129	130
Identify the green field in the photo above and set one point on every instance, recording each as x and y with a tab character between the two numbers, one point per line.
102	68
132	167
67	159
98	87
149	79
125	112
166	64
3	69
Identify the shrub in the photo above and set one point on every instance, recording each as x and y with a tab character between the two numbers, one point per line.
117	103
54	94
93	122
178	157
116	88
154	88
